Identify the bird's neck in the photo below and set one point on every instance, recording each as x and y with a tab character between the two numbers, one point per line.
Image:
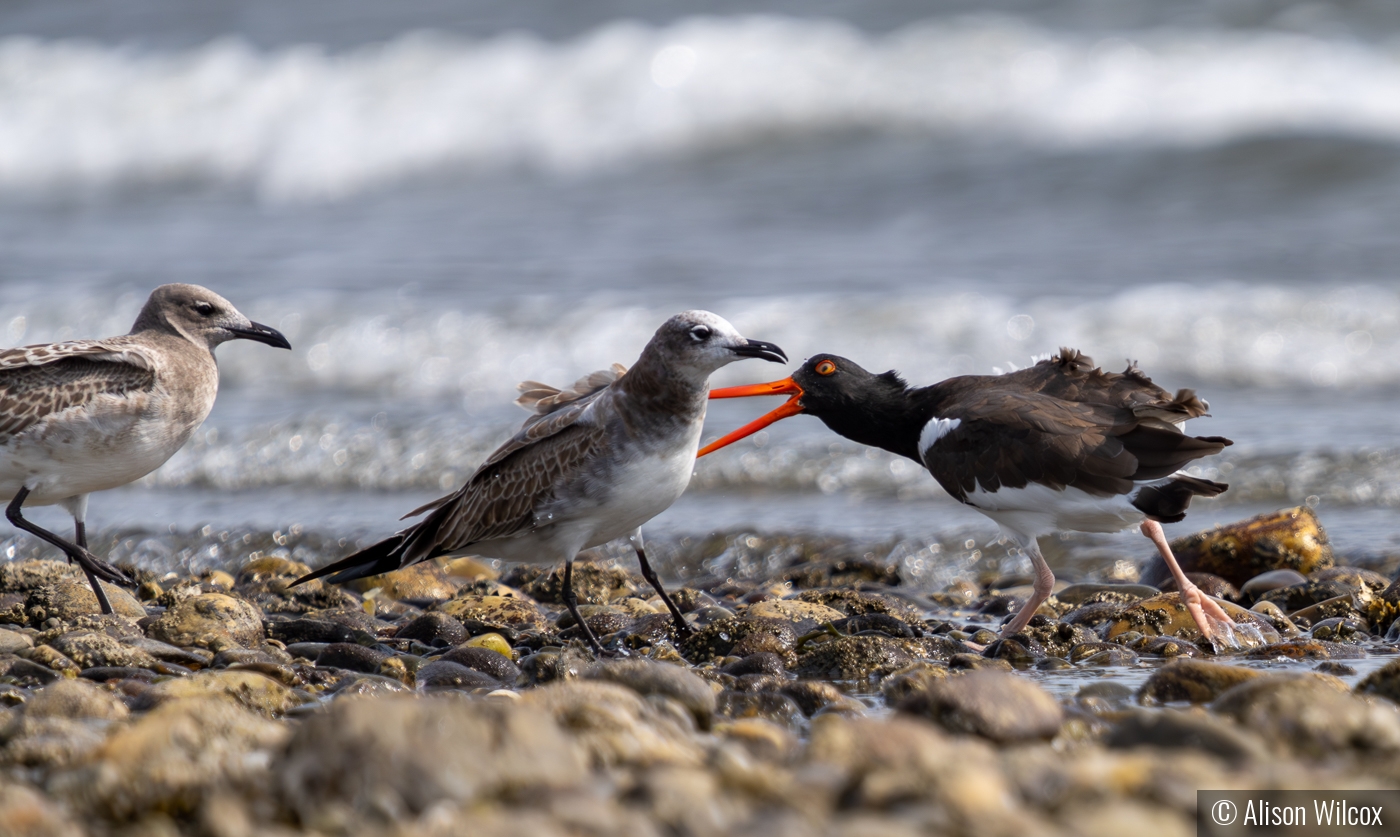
891	419
663	395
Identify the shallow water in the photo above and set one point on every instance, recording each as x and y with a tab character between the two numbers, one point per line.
436	204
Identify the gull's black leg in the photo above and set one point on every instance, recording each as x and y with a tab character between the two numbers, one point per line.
571	601
683	629
93	567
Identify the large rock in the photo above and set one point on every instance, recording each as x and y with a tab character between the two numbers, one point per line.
650	678
1196	681
496	613
1291	539
1165	615
382	759
173	758
67	598
210	620
617	726
256	692
1000	707
1311	715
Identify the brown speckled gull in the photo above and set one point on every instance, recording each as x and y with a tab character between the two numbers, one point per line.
88	415
593	464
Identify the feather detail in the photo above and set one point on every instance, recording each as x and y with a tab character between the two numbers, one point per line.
543	399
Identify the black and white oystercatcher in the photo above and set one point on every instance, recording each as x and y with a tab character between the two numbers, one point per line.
595	463
1059	445
89	415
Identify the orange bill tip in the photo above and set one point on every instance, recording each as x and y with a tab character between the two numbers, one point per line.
790	408
786	386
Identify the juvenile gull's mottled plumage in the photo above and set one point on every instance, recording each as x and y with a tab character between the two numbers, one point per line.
593	464
89	415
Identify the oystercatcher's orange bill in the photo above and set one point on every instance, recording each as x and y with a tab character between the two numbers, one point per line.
791	407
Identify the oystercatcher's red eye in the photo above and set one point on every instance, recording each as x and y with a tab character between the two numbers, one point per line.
826	367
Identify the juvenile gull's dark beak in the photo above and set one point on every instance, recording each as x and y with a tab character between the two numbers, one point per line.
791	407
760	348
262	334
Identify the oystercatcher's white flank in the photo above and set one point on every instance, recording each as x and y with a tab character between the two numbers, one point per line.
595	463
1059	445
88	415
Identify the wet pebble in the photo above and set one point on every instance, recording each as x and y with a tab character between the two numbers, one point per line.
434	629
852	658
1003	708
764	662
773	707
484	660
1195	681
1171	729
441	675
351	657
1306	649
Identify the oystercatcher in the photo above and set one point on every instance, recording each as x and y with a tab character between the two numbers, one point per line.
88	415
595	463
1058	445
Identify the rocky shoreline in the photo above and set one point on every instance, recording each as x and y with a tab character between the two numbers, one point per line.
824	699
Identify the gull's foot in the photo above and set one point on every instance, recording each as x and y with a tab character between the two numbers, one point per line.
101	569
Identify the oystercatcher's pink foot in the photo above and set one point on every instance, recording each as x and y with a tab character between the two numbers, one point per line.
1210	618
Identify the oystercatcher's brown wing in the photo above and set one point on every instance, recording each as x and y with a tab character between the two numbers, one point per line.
1011	439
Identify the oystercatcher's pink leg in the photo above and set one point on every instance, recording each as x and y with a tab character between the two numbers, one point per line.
1040	588
1215	624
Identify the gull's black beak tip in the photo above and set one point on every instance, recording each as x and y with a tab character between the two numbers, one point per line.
762	349
262	334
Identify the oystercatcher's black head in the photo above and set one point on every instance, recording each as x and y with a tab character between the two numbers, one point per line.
869	408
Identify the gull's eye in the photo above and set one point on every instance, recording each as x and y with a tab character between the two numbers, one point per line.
204	309
700	334
826	367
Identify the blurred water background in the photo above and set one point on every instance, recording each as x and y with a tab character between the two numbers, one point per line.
436	200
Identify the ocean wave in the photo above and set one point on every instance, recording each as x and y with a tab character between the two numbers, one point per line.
1220	336
304	123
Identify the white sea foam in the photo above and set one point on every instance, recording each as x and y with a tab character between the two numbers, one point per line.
301	123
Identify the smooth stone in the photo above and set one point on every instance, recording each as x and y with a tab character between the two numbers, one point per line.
1311	715
617	726
351	657
209	620
101	674
427	754
1166	646
1003	708
774	707
307	631
1172	729
169	759
484	660
252	690
1165	615
424	580
1383	682
1335	669
1196	681
165	652
1114	655
1340	629
434	628
13	642
75	699
812	696
764	662
1306	649
442	675
306	650
1093	615
805	616
1271	580
650	678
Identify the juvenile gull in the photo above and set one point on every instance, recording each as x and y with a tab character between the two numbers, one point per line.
1059	445
594	464
88	415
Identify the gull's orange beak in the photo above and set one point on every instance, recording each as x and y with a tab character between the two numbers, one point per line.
786	386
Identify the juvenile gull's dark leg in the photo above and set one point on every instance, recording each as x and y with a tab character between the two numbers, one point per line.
93	567
571	601
683	629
